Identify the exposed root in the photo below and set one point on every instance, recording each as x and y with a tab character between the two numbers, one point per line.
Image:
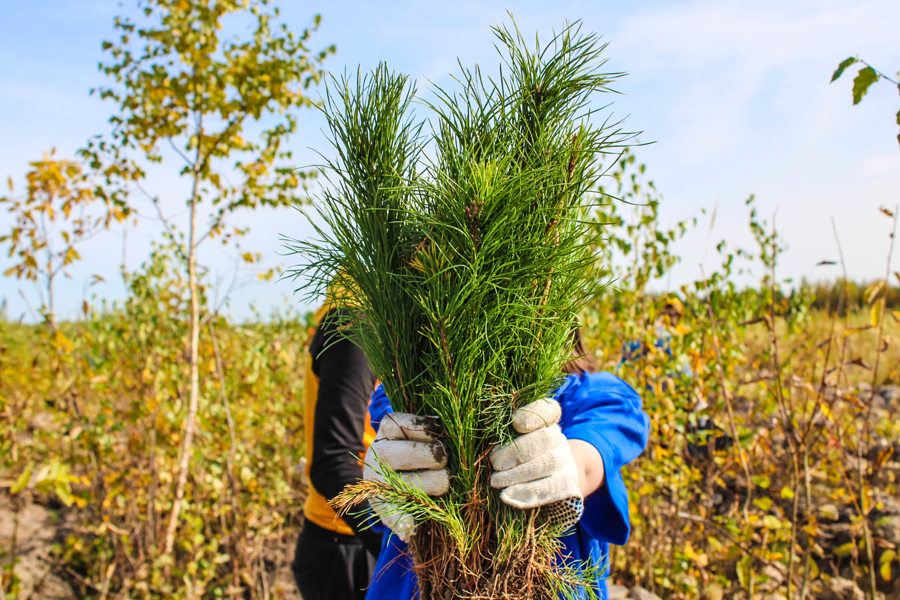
481	573
518	562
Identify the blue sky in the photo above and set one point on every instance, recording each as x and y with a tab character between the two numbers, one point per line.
734	96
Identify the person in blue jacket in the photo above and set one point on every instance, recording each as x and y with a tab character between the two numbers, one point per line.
604	427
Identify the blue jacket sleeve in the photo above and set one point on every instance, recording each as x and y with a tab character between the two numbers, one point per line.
604	411
379	406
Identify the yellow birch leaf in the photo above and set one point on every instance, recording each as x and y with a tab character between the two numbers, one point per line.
160	421
845	549
883	456
829	511
874	314
872	292
62	342
813	568
887	557
63	492
764	502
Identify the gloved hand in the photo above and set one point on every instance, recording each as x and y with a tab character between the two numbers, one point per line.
537	468
406	443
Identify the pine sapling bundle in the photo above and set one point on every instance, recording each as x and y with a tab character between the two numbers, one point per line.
463	253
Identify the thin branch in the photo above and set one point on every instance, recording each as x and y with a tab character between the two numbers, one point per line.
181	154
28	305
217	221
879	73
167	227
107	577
233	285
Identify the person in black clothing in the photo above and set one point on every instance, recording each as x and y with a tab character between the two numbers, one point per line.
335	556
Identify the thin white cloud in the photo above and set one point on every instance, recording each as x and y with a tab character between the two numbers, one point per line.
713	63
704	33
881	165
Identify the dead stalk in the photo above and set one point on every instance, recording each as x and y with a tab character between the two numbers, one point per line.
152	517
726	396
807	487
787	423
867	435
236	533
858	491
12	539
107	577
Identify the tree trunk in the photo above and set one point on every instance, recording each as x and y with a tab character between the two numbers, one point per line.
194	398
51	309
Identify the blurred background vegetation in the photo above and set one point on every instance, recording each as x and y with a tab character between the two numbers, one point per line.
149	448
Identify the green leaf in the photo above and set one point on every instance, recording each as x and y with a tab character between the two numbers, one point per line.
771	522
22	482
841	67
765	503
861	83
163	561
743	569
898	123
761	481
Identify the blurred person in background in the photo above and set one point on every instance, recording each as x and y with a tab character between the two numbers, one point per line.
335	556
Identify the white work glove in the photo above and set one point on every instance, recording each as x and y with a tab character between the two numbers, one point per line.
406	443
537	468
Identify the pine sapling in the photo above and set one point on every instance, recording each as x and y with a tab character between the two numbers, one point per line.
462	249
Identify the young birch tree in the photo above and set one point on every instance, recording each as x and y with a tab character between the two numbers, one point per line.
60	208
219	108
